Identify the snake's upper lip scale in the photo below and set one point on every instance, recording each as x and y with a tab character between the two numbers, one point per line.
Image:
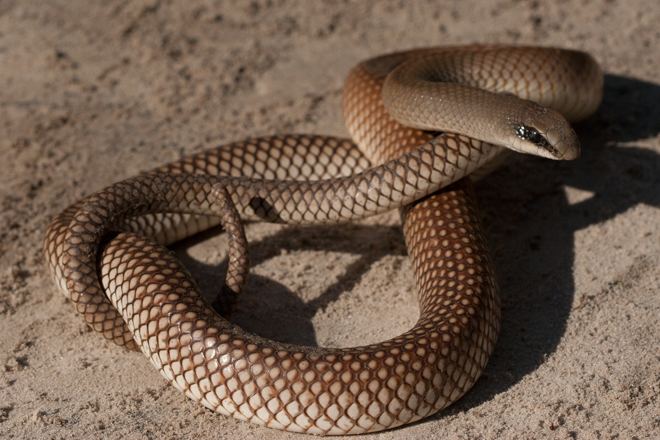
571	154
571	141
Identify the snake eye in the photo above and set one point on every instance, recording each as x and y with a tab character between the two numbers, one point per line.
532	135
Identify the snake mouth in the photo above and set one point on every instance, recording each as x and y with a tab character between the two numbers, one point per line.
551	152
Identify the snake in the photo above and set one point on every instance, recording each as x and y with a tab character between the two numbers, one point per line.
423	122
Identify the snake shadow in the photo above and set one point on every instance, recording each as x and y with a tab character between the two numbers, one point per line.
269	308
530	223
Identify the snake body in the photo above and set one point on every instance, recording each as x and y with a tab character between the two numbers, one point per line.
138	295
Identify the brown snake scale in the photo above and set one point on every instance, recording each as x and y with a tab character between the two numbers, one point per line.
105	252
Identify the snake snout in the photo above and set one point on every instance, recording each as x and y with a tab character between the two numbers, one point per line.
568	145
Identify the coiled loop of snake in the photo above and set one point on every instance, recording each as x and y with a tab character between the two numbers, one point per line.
144	299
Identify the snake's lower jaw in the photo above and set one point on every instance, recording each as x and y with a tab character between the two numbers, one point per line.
566	153
514	144
557	149
569	154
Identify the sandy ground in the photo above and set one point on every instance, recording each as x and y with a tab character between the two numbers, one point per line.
92	93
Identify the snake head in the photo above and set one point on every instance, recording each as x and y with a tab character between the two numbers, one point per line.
543	132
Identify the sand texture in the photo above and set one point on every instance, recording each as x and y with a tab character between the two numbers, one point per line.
94	92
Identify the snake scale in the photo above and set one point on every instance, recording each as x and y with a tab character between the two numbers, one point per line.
420	121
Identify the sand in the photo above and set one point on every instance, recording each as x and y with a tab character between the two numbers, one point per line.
93	93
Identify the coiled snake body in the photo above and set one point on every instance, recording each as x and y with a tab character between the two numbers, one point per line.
136	293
